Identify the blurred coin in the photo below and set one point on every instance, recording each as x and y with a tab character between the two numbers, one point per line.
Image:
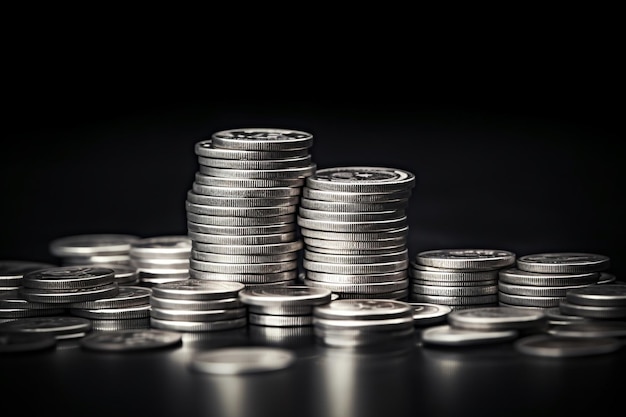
426	314
558	346
61	327
592	311
160	247
12	271
198	326
447	335
92	244
591	329
242	360
497	318
131	340
25	342
559	262
599	295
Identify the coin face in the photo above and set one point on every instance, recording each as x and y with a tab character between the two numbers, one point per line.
361	179
262	139
563	262
242	360
293	294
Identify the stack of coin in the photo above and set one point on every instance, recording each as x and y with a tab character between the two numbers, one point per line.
542	280
196	305
602	301
241	210
459	278
161	259
283	306
485	325
362	322
128	309
354	225
90	249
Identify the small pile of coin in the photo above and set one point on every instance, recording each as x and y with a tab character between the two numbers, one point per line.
362	322
128	309
93	249
485	325
354	225
459	278
196	305
542	280
161	259
241	210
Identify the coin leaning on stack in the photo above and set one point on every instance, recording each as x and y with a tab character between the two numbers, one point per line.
241	209
459	278
355	230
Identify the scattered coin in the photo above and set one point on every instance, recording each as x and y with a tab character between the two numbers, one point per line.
131	340
559	346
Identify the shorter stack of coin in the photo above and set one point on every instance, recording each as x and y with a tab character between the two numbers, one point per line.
485	325
543	280
241	207
161	259
196	305
458	278
355	229
128	309
362	322
93	249
283	306
602	301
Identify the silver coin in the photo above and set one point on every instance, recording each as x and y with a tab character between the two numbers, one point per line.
198	326
208	200
363	309
225	182
71	295
350	207
292	295
68	277
350	216
15	269
268	229
248	249
205	148
592	311
198	315
108	325
367	288
421	282
280	321
240	221
168	246
428	273
530	301
348	279
361	179
119	313
455	300
25	342
284	173
426	314
11	299
516	276
369	325
557	346
142	264
599	295
591	329
265	278
355	259
556	317
262	139
131	340
242	360
196	289
127	296
364	268
355	197
244	239
454	291
19	312
61	327
324	245
559	262
195	305
497	318
474	259
283	163
537	290
243	259
606	278
92	244
210	210
96	260
282	309
241	192
447	335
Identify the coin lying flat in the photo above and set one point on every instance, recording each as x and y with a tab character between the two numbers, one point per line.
262	139
426	314
497	318
62	327
559	346
478	259
560	262
242	360
447	335
361	179
131	340
599	295
25	342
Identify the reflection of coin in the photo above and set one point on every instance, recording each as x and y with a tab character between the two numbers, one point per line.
559	262
242	360
468	259
131	339
557	346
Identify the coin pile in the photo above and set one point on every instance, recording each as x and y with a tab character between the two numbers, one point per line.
241	210
484	325
128	309
93	249
161	259
362	322
196	305
354	225
459	278
542	280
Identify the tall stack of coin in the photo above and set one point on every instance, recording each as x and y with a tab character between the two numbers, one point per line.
542	280
93	249
195	305
161	259
241	210
459	278
354	225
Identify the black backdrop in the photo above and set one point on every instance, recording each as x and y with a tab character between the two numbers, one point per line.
528	165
